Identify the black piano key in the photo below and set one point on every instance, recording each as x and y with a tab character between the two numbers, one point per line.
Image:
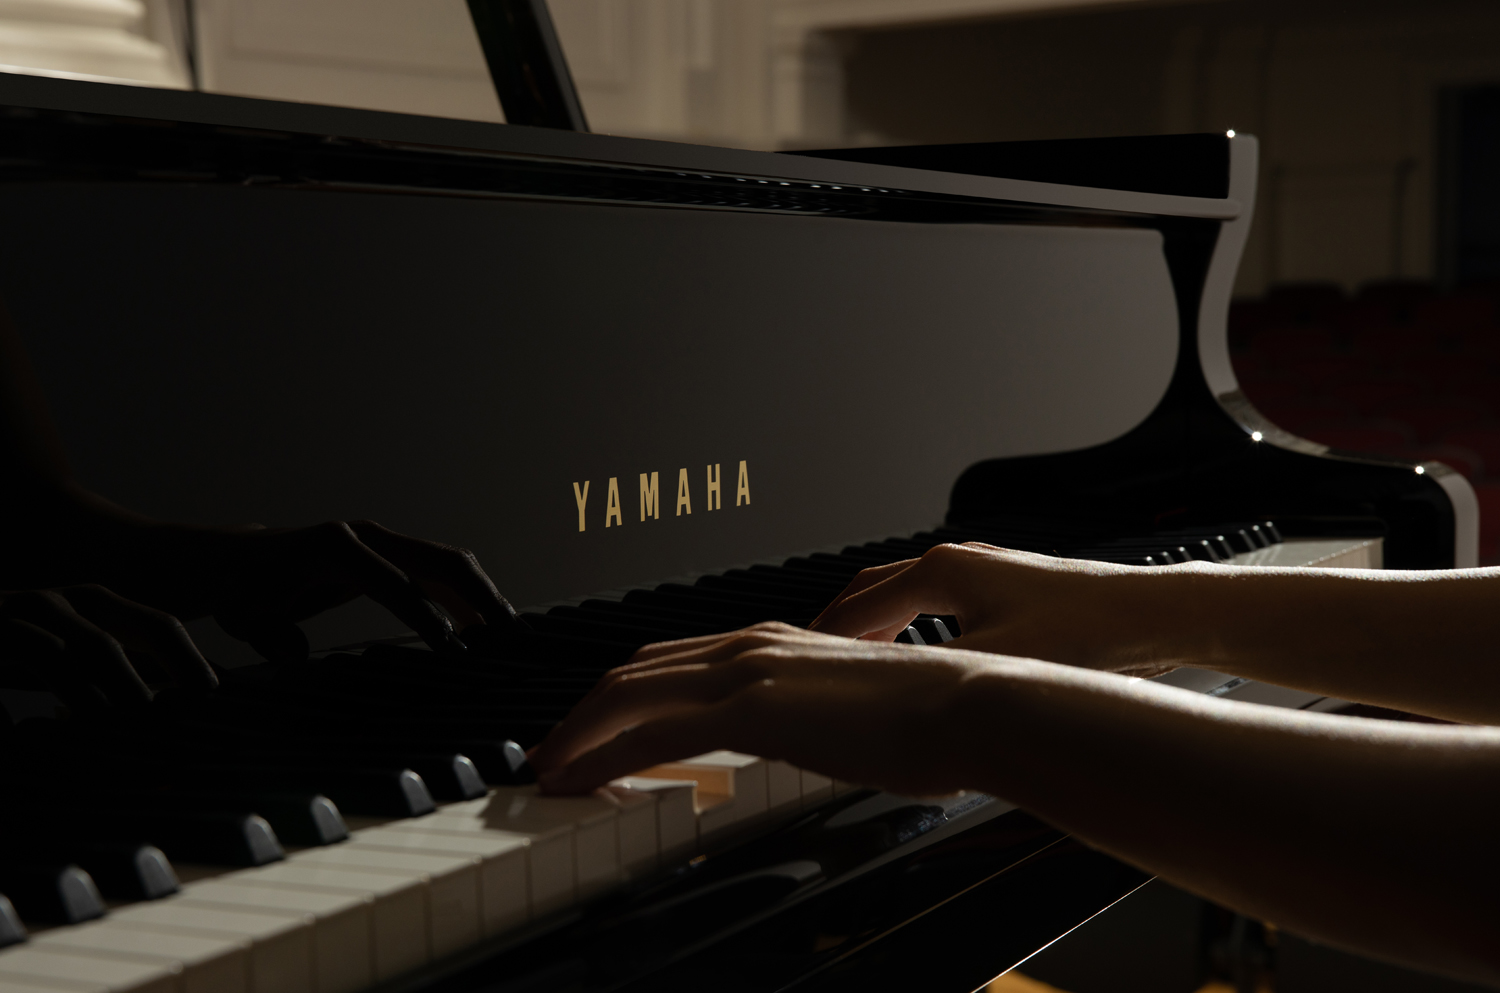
51	893
204	836
125	871
932	630
370	792
298	818
12	931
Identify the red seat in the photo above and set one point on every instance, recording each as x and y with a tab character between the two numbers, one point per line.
1483	440
1321	373
1373	438
1368	396
1489	523
1297	417
1360	318
1291	343
1435	417
1395	345
1457	315
1273	391
1306	303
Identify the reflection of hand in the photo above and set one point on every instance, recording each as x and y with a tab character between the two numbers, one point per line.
1090	614
258	582
871	713
74	642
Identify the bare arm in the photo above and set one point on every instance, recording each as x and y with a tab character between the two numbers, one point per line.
1426	642
1372	835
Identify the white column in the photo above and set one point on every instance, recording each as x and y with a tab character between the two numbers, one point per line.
101	38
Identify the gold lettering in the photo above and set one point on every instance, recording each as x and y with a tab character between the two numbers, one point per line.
684	499
612	506
581	497
650	497
715	501
743	489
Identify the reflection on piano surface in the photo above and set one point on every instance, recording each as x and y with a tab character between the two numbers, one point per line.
467	330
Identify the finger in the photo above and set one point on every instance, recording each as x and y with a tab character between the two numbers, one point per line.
866	579
883	610
665	652
386	585
90	652
145	629
674	736
633	699
34	659
27	655
462	585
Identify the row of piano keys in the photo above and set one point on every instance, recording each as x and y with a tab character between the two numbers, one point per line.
400	893
289	751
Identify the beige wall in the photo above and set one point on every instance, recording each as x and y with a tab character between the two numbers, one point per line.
1344	98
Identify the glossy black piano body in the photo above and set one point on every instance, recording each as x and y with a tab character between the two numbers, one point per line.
601	361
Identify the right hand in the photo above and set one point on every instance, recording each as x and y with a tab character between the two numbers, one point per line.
1091	614
92	647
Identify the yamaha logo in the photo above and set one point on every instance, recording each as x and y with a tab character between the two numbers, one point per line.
649	491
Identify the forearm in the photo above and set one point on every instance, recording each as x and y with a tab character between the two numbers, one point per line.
1428	642
1372	835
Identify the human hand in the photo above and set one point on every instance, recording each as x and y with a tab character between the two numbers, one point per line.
92	647
259	582
1092	614
866	712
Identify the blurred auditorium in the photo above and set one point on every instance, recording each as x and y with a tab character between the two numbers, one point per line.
1398	367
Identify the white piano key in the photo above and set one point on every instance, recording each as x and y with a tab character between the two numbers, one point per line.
62	970
816	789
739	778
840	787
281	945
551	879
399	917
574	840
454	919
783	787
639	847
343	959
207	964
503	888
676	818
592	820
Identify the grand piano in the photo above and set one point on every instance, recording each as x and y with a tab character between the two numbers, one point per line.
660	390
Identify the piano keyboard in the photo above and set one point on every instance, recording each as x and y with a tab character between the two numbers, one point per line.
341	824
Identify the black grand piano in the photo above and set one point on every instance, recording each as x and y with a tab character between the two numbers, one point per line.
661	390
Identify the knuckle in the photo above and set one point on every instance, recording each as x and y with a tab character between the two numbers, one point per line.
946	552
336	532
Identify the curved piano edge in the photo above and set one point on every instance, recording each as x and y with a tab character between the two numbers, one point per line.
1459	491
1224	266
1465	512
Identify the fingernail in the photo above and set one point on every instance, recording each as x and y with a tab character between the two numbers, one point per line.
454	642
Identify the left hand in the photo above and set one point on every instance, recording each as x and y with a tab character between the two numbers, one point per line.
259	582
878	714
